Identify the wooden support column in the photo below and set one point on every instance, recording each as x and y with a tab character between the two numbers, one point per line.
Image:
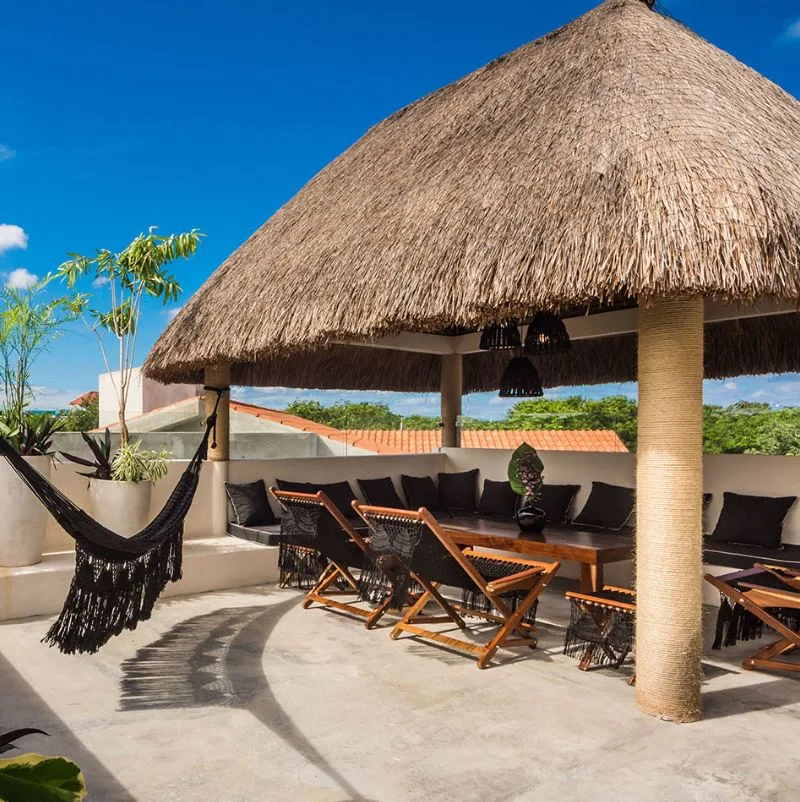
452	383
218	376
669	487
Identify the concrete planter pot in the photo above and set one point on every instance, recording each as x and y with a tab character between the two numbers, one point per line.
23	517
123	507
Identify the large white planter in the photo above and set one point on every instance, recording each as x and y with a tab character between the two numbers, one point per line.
23	517
123	507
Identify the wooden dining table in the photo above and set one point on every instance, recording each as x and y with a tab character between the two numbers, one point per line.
592	549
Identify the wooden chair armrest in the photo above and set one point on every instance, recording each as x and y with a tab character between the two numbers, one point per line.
515	581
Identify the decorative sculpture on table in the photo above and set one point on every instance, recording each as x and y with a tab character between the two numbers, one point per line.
526	474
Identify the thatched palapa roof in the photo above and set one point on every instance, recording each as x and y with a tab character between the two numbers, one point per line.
619	156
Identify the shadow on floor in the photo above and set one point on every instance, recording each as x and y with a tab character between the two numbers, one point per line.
217	660
23	707
780	695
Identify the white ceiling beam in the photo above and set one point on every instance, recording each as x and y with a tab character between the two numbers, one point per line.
602	324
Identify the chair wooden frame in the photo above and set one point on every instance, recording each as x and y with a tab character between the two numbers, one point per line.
533	580
325	587
757	599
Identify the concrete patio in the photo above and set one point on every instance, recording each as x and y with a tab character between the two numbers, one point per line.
242	695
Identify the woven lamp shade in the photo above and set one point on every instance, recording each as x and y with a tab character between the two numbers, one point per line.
546	335
521	380
501	338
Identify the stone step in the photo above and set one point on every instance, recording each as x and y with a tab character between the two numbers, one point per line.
219	563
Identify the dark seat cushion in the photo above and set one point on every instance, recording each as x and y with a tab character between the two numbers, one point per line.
608	506
458	491
498	499
250	504
420	492
342	496
739	555
295	487
381	493
752	520
268	535
556	500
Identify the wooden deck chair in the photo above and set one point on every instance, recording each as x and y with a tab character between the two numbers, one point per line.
414	544
762	595
312	524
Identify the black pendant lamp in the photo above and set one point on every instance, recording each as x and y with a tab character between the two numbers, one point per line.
521	379
546	335
504	337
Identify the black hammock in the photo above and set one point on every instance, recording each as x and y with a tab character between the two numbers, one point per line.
117	579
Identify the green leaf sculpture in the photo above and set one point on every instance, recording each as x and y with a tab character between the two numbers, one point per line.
525	471
35	778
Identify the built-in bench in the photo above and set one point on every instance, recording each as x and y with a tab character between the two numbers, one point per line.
735	555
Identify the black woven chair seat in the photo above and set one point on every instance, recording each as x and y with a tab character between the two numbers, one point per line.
611	598
491	569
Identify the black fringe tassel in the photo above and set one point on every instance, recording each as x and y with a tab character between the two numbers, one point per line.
300	566
109	596
475	602
735	623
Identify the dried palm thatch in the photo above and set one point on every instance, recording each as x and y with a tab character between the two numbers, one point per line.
621	155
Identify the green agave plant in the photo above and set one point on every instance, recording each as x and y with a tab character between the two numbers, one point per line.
131	463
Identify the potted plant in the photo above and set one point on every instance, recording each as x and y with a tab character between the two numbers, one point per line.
526	474
27	327
120	485
121	498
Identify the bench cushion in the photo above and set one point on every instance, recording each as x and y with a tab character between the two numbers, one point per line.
342	496
421	492
250	503
739	555
457	491
267	535
497	499
556	500
608	506
381	493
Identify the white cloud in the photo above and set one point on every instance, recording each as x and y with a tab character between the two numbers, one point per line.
6	153
792	33
101	281
46	398
21	279
729	386
12	237
171	314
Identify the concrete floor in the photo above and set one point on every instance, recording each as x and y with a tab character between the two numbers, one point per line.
244	696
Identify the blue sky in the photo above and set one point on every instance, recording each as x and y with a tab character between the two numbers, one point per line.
118	116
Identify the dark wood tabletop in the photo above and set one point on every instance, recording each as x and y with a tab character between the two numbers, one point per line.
591	549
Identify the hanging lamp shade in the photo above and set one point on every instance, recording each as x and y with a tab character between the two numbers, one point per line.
521	379
500	338
547	334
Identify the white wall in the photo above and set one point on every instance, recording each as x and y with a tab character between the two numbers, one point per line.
144	395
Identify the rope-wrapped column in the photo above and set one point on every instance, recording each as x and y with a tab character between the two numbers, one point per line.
218	376
669	488
452	382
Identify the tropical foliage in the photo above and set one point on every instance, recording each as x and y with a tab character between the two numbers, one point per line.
82	418
526	473
138	271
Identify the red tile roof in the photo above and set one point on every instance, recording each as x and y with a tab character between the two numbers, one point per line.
546	440
86	398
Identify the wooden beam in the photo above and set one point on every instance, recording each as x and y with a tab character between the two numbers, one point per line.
452	386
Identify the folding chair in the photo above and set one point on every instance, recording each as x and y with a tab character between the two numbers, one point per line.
601	627
505	590
763	595
315	533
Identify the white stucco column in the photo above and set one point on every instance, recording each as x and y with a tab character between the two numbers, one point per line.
219	450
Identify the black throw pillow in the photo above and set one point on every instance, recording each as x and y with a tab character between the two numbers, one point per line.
420	491
752	520
556	500
295	487
458	491
250	504
381	493
608	506
498	499
342	496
